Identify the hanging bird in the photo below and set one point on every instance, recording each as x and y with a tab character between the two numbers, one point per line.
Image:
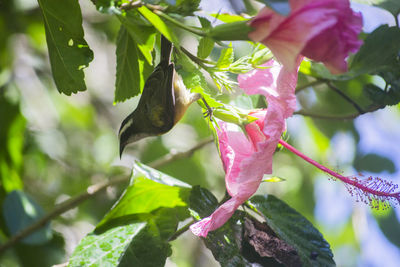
163	102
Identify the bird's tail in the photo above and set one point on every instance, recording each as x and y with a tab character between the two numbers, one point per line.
166	49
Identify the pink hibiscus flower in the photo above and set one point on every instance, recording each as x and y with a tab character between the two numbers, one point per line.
246	160
322	30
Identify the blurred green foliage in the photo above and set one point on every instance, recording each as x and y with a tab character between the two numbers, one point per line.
53	147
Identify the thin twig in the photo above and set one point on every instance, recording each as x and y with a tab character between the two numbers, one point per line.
346	97
91	192
335	117
181	231
179	155
304	86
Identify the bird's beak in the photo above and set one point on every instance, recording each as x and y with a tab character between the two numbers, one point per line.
121	149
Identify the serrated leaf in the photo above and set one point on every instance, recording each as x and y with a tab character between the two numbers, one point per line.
295	229
159	24
280	6
134	244
143	34
19	212
205	47
150	190
226	57
132	68
379	52
136	230
68	51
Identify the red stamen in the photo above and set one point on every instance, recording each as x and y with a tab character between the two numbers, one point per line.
376	192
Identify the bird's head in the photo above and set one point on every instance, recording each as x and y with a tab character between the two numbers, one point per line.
130	132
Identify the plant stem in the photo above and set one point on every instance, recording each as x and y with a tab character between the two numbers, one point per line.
304	86
92	191
335	117
181	231
346	97
193	30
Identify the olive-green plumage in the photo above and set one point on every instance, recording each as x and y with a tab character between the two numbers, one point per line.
163	102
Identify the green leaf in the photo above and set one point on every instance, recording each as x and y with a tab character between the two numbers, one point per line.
295	229
150	190
136	230
141	32
205	47
225	243
202	202
69	53
205	23
135	244
374	163
379	52
19	212
226	57
194	79
132	68
380	97
183	7
159	24
280	6
12	137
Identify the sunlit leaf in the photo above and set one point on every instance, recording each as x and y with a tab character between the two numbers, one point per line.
226	57
159	24
69	53
135	244
150	190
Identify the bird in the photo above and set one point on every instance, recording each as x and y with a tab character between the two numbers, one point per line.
163	102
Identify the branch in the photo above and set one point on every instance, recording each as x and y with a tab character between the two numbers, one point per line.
92	191
304	86
346	97
335	117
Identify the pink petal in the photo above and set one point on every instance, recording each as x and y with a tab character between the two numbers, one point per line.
323	30
246	160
